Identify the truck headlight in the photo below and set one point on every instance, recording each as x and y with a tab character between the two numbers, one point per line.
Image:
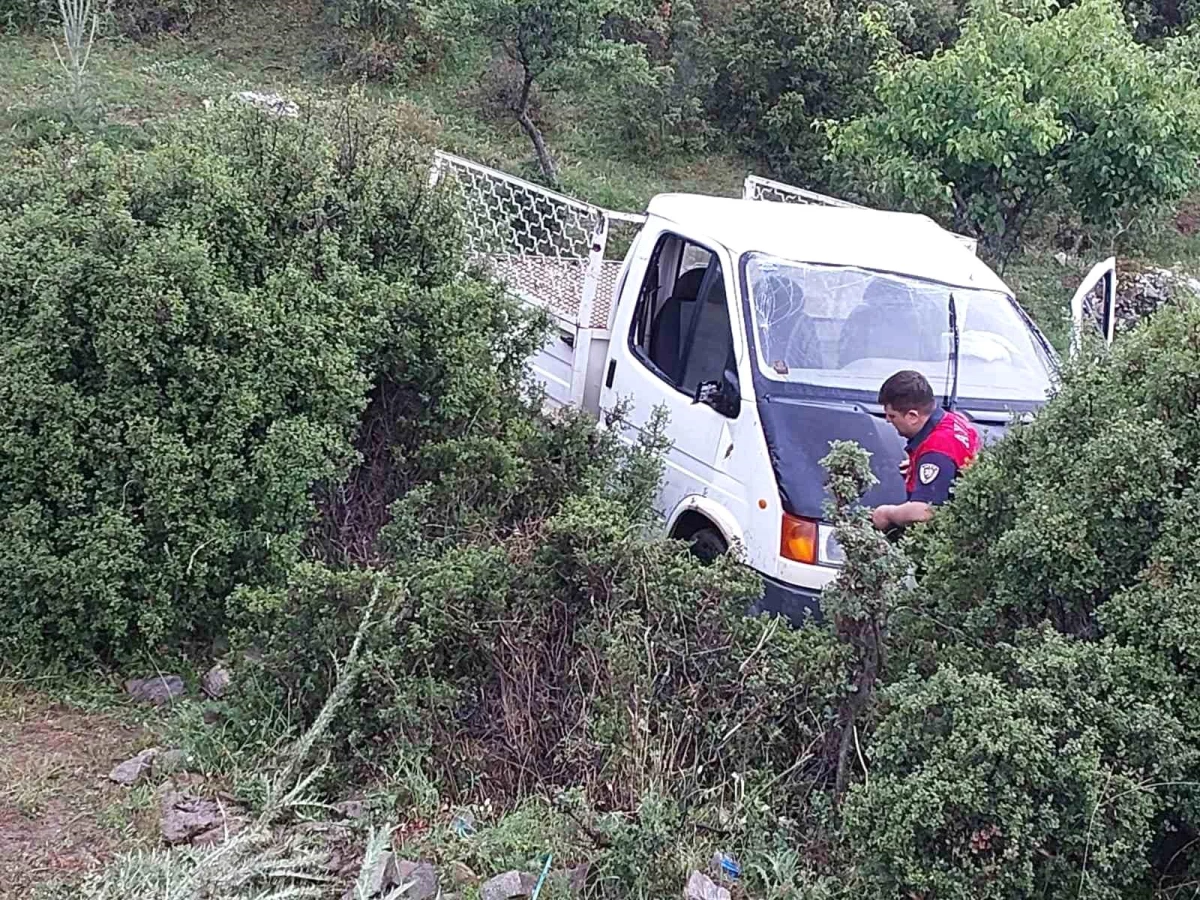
829	551
809	541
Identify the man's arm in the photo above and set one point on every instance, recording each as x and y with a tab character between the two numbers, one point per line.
935	475
901	515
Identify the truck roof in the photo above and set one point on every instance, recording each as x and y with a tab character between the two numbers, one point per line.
898	243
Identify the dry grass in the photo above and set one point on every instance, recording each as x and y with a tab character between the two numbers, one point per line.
59	817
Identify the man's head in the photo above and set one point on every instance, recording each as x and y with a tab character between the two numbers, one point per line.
907	401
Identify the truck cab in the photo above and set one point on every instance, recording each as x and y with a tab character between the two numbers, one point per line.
765	330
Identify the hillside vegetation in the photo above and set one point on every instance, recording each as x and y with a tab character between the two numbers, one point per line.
253	409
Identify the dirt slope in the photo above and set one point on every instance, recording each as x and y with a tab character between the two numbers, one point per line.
58	814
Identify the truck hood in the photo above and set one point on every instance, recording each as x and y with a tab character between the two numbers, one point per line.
798	433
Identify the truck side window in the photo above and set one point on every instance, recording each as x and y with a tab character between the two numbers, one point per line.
681	325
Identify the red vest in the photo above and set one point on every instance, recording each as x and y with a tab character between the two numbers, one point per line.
954	436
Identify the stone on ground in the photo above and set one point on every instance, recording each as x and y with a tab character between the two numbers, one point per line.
421	879
170	762
509	885
196	820
159	690
216	682
134	769
275	104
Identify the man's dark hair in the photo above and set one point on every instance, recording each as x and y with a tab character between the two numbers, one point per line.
907	390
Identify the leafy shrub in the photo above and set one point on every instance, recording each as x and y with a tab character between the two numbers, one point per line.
147	18
783	65
1028	103
21	15
1047	776
542	641
191	338
1156	19
394	40
648	95
387	19
1037	733
53	123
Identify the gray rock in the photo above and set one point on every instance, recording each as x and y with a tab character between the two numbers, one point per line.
701	887
421	879
509	885
159	690
216	682
189	819
460	875
134	770
170	762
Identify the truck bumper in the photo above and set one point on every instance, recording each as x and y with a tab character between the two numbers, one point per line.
795	603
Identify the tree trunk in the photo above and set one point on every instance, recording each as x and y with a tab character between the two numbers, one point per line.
545	161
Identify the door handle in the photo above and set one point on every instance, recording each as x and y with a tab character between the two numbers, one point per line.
612	370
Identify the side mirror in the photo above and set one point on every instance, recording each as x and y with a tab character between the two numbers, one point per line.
725	396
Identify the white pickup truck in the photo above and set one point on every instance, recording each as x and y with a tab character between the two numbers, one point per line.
765	325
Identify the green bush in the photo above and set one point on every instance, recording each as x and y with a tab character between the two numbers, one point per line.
780	66
148	18
649	97
1037	731
1156	19
387	19
1030	104
1048	776
192	338
394	40
541	640
22	15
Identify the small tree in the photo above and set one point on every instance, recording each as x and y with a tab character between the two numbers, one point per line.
866	591
80	19
542	37
1030	104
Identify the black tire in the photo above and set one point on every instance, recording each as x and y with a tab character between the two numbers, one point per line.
707	544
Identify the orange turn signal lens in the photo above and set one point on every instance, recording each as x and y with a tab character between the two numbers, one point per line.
799	539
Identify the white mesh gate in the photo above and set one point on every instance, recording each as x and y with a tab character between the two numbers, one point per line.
551	249
756	188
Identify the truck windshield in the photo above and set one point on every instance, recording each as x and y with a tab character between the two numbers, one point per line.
851	328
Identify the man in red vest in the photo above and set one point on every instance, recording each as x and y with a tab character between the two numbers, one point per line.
940	444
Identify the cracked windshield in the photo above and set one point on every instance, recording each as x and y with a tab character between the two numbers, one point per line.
850	328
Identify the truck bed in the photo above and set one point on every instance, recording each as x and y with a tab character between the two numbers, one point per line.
557	284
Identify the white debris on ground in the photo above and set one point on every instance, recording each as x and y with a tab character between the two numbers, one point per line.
275	104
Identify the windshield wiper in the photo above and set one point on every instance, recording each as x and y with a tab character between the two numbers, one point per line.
950	398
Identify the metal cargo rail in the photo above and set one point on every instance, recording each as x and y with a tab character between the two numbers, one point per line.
757	188
549	248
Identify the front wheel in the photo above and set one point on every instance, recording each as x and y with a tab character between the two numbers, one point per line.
707	544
